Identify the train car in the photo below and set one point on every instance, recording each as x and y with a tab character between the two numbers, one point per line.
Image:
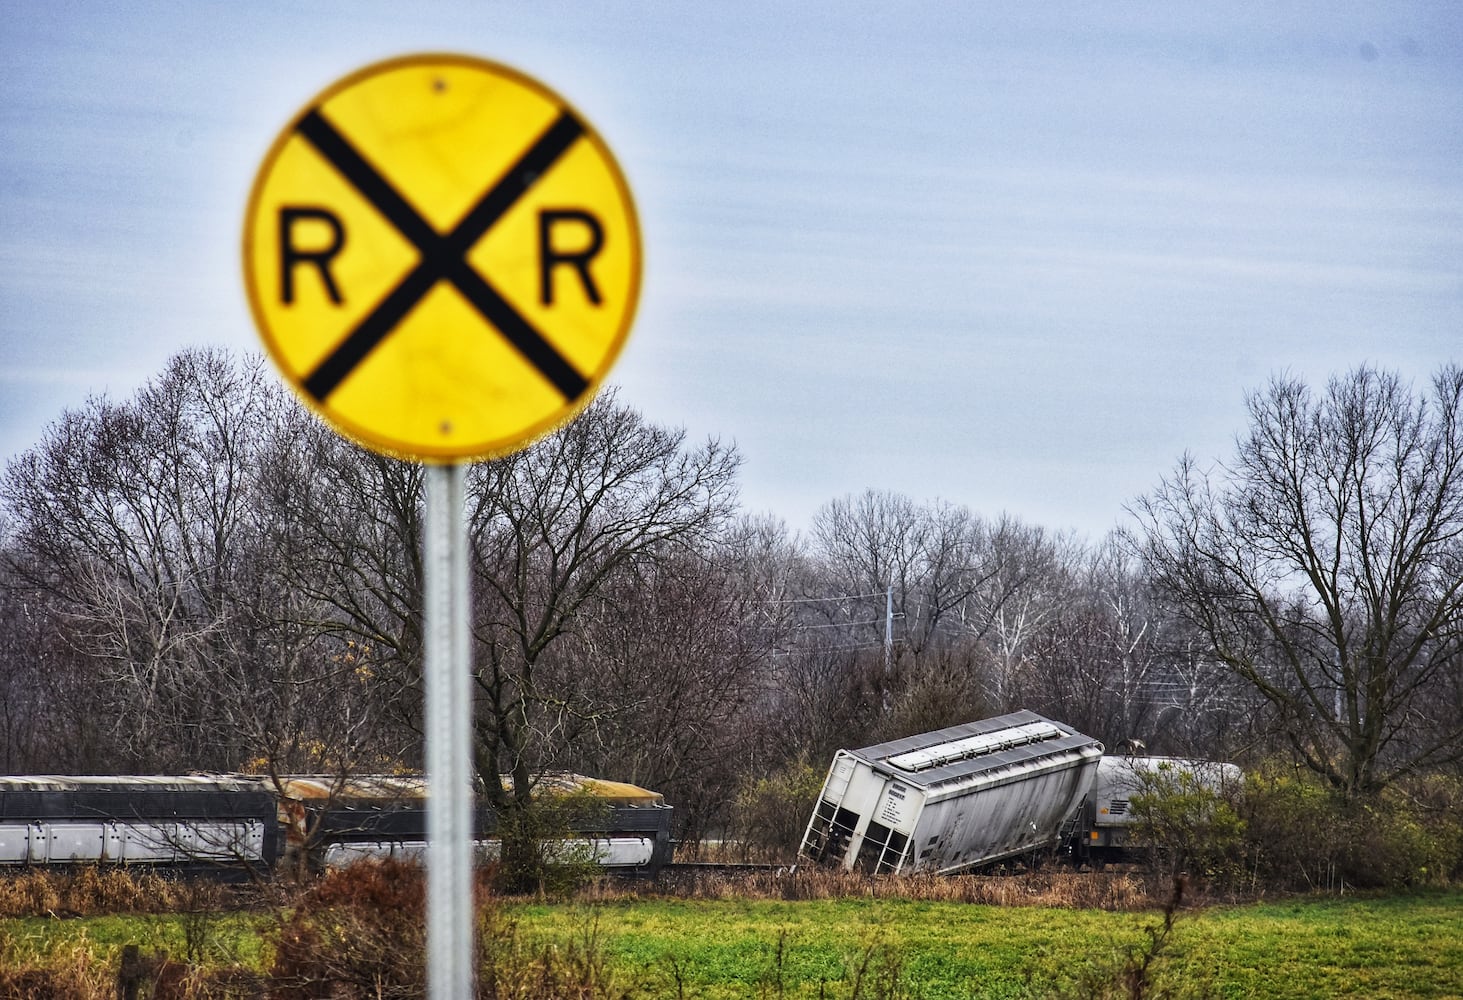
623	828
958	798
1103	827
217	824
242	825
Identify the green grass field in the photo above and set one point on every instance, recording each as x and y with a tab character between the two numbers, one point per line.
1410	946
1401	947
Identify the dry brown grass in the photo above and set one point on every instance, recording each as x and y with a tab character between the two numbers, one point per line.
76	974
88	892
93	892
70	973
1112	890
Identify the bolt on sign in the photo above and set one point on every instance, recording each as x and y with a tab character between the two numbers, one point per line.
442	258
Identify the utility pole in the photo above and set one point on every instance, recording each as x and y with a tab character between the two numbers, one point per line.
888	630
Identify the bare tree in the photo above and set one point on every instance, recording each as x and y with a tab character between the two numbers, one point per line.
928	559
667	664
821	698
157	535
345	533
864	546
772	571
565	536
1023	582
589	513
968	596
130	516
1102	659
47	704
1324	566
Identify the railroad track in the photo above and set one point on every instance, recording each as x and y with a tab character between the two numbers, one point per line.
690	874
722	868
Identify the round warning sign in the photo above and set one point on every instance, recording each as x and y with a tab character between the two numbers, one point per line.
442	257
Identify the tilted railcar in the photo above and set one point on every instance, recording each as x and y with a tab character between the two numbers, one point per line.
954	799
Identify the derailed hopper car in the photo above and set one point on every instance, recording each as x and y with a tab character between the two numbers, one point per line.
957	798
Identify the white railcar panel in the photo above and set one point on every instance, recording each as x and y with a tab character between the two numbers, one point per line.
69	841
839	775
865	789
624	852
22	844
148	843
341	854
114	842
232	840
611	852
899	806
244	840
974	746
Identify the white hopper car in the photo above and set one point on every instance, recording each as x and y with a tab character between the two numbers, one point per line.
953	799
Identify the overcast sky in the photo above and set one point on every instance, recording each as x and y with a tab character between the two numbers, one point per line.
1019	257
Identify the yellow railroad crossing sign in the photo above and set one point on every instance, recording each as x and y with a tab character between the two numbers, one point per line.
442	257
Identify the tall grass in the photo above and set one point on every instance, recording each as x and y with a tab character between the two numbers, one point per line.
88	892
1115	890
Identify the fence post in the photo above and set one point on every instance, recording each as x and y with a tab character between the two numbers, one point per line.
129	976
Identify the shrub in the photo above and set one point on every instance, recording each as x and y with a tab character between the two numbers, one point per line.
1188	823
544	849
358	932
771	813
1438	802
1305	836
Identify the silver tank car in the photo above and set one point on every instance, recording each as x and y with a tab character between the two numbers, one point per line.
216	823
953	799
1105	824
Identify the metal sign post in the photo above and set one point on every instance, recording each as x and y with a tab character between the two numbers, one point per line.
450	922
443	260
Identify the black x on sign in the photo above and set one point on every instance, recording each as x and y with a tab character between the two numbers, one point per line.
442	258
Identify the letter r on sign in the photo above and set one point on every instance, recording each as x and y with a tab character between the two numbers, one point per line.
290	255
550	256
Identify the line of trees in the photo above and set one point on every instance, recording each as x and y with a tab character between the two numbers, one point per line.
204	577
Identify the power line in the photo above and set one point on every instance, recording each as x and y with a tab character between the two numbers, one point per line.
824	600
804	628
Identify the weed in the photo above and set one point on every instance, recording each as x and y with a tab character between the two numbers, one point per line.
357	933
70	974
1135	972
